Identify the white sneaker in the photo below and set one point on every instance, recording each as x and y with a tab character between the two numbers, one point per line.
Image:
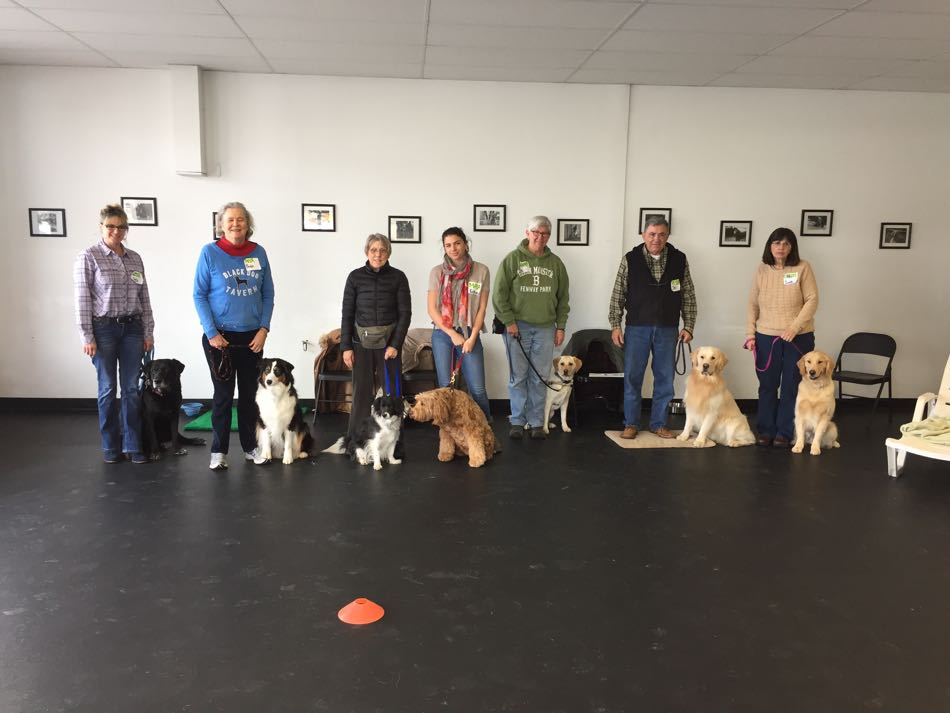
253	455
218	461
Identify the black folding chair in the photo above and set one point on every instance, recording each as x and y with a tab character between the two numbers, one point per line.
867	343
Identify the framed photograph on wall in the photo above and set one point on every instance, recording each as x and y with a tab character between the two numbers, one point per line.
214	225
318	217
490	217
735	233
141	211
665	213
48	222
405	228
573	231
816	222
895	236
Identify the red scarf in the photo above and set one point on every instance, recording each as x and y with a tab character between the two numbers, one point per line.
455	292
231	249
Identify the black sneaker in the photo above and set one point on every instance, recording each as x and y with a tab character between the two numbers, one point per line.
516	432
538	434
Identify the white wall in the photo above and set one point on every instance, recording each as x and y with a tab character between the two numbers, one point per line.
764	155
77	138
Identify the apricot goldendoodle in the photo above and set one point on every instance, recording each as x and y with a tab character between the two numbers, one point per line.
463	427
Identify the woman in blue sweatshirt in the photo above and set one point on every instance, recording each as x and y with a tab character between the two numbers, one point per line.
234	296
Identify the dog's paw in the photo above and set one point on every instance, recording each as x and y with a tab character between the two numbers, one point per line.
684	436
815	450
700	442
395	461
798	448
302	455
154	456
445	457
377	466
180	452
287	460
566	429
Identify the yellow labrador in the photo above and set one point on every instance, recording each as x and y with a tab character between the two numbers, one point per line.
562	383
815	405
711	409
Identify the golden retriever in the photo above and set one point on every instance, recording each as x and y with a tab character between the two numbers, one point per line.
463	428
558	393
815	405
710	409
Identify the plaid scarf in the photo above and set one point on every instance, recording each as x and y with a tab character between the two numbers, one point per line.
455	292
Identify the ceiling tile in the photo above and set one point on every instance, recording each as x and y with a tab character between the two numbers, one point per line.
780	81
940	6
356	53
408	70
899	25
704	42
15	18
344	10
496	74
904	84
54	40
202	6
812	4
623	76
286	28
210	62
862	47
108	43
146	23
55	58
665	61
821	66
489	36
924	70
728	19
505	57
531	13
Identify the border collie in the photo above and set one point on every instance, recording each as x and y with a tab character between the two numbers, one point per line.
281	431
376	437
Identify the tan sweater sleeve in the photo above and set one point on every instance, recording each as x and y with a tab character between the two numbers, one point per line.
752	308
810	295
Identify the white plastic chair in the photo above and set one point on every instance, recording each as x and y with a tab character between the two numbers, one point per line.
928	404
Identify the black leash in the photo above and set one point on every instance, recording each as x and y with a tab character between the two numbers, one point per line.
146	360
544	381
679	357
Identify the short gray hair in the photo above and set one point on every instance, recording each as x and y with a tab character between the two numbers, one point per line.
378	238
539	221
655	220
219	216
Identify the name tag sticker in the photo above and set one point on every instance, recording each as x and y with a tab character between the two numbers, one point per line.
252	263
474	287
675	285
791	278
137	277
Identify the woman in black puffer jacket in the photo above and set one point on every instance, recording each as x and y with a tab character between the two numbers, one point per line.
377	309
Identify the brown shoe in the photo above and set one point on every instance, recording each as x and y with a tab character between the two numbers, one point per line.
764	441
781	442
629	432
663	432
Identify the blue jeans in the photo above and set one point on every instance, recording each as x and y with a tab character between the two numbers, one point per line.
525	390
444	353
120	421
638	344
778	385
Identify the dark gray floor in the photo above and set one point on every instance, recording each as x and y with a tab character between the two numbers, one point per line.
567	575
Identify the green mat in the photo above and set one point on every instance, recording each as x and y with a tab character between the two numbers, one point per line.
203	422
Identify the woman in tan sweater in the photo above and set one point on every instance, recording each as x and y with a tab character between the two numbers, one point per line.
780	327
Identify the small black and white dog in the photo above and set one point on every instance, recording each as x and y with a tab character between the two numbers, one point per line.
161	406
376	438
281	431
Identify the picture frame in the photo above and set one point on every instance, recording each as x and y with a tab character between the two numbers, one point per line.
214	225
895	236
48	222
318	217
650	212
141	211
573	231
489	218
735	233
405	228
816	222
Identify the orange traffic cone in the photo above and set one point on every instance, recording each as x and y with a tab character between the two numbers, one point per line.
361	611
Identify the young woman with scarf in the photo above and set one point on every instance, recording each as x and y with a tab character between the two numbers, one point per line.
457	300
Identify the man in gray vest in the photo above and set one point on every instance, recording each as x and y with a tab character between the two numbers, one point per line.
654	286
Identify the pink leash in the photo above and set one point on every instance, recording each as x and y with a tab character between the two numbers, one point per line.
771	349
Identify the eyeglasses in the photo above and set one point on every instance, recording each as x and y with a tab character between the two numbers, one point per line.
117	228
540	233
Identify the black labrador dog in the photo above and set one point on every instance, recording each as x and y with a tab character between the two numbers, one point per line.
161	405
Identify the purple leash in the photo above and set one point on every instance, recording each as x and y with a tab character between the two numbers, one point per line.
768	363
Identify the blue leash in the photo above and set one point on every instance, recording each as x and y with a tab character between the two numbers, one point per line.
397	378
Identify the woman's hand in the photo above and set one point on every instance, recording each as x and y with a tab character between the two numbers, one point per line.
390	353
469	344
89	349
788	335
218	341
257	344
749	344
348	358
513	330
457	339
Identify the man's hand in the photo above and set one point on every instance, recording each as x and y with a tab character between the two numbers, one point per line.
558	337
616	336
348	358
685	336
